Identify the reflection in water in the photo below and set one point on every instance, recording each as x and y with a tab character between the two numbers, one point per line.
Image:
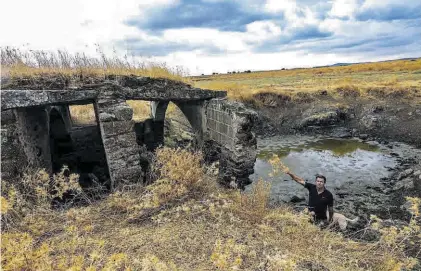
349	163
336	146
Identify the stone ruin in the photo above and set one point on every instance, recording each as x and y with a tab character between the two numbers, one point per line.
37	129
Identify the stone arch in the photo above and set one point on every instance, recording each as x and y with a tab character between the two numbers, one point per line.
61	145
155	127
194	111
158	110
64	111
195	114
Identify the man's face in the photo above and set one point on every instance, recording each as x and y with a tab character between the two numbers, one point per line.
320	183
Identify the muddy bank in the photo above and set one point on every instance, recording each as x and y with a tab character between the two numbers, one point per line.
392	119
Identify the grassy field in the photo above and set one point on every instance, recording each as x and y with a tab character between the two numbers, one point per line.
394	78
183	221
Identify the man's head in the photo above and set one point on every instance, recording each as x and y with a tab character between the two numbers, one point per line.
320	181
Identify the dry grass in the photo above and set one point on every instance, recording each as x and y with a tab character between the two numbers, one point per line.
383	79
82	114
201	227
389	66
17	64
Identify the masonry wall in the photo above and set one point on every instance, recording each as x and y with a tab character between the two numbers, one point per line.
230	140
220	124
117	129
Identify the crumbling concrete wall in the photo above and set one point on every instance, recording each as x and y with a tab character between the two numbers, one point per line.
33	125
26	138
13	159
230	140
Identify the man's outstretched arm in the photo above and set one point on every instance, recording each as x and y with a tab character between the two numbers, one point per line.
296	178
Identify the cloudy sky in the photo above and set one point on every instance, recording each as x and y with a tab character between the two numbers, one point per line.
206	36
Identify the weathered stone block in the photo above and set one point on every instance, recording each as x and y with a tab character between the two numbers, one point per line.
119	141
115	112
117	128
129	174
124	153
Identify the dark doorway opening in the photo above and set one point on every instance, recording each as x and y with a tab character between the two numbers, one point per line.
61	146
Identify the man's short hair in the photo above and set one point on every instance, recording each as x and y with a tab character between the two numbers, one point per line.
321	176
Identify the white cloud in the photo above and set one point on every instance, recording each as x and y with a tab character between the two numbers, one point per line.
228	41
373	4
274	6
75	25
349	28
261	31
344	8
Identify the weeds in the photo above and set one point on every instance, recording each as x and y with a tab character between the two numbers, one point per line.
36	63
35	191
176	171
253	206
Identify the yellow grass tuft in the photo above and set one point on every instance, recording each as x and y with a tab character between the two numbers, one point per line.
82	114
176	170
253	206
35	63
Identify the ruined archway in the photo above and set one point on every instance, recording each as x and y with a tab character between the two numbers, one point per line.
192	112
61	146
178	131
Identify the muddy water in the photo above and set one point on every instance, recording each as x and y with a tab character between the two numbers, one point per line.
348	164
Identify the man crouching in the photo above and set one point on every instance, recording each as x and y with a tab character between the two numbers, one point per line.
320	199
